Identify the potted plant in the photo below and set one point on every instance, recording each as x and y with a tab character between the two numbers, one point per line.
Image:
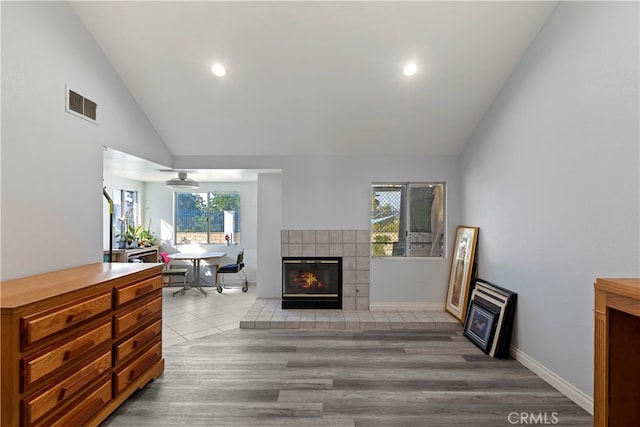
132	236
121	242
147	237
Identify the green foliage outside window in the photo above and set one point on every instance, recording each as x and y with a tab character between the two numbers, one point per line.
200	217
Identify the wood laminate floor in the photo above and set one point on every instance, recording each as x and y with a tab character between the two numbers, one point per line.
250	377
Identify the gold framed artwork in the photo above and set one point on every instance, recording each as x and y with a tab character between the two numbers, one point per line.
462	260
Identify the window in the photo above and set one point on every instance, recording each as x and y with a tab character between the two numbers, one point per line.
207	218
407	220
125	209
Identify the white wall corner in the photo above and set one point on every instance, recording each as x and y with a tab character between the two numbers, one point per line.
557	382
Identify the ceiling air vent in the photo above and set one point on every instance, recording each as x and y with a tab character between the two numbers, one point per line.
80	106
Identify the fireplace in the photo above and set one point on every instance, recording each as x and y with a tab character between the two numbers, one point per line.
312	282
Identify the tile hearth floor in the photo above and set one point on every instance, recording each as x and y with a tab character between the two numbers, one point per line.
268	314
191	316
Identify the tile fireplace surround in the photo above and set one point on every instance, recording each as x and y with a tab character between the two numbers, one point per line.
352	245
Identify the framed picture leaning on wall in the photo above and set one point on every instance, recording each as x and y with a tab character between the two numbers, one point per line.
500	301
480	326
461	273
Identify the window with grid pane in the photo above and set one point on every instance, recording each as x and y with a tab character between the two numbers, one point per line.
126	209
407	219
207	218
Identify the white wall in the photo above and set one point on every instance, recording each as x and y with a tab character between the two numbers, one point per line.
551	178
269	280
51	160
334	192
411	283
160	209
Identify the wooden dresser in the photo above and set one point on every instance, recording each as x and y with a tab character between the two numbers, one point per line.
616	391
77	342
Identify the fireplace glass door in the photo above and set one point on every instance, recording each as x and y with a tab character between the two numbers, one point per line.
305	279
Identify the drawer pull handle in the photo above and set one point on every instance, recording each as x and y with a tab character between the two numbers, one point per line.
70	354
77	385
89	411
78	316
144	313
143	367
143	339
144	289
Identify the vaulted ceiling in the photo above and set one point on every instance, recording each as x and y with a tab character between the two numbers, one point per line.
314	77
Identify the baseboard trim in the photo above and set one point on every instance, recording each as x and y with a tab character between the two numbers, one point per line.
405	306
557	382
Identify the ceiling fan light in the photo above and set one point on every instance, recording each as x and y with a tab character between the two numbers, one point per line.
182	182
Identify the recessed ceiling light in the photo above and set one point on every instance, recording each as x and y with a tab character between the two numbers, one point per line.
218	70
410	69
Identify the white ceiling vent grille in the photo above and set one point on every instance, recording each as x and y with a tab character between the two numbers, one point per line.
80	106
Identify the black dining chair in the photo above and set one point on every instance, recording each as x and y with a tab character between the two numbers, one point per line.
228	271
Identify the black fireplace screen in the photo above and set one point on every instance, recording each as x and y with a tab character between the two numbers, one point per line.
311	276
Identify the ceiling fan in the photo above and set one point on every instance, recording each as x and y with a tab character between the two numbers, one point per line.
182	182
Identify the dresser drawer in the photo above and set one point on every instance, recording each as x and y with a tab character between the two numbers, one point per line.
138	341
127	321
43	403
138	290
86	409
40	365
42	325
128	374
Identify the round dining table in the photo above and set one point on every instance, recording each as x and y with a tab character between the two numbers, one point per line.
195	259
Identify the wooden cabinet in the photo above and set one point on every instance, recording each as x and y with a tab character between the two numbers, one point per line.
132	371
147	254
617	352
83	413
76	343
41	325
38	366
129	293
128	347
127	321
